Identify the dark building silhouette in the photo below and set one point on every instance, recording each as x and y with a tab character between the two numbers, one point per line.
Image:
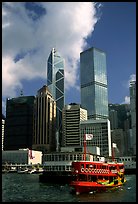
19	123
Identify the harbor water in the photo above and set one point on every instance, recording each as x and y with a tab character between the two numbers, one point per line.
27	188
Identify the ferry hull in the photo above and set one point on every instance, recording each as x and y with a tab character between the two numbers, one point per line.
86	187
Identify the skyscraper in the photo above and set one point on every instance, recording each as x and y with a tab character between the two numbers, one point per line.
72	115
19	123
93	76
45	115
132	89
55	83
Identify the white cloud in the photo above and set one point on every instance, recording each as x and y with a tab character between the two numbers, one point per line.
65	26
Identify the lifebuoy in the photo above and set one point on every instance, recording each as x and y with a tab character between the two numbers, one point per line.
82	169
95	171
104	171
90	170
86	170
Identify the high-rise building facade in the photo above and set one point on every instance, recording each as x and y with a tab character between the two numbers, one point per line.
113	119
55	82
72	115
101	131
45	118
132	89
19	123
94	92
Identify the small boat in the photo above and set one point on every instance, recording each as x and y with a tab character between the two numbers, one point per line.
22	171
31	171
88	176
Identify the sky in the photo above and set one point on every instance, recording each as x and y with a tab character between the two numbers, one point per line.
31	29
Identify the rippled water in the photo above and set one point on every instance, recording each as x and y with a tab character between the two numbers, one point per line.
27	188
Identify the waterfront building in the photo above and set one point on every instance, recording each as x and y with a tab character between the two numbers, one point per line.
101	131
45	121
22	156
3	126
55	83
72	115
93	77
132	89
19	123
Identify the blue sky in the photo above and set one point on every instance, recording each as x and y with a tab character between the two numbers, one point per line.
31	30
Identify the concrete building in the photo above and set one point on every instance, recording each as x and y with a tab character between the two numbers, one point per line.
19	123
132	89
93	77
101	135
72	115
45	121
23	156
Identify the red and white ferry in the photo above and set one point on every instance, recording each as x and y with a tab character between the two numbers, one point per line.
90	176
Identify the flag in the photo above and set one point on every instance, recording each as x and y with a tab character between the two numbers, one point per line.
89	136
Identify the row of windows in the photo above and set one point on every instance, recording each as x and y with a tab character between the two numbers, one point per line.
68	157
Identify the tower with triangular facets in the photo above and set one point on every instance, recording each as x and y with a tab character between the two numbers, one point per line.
55	83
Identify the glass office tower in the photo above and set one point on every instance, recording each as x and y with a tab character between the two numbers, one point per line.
94	92
55	83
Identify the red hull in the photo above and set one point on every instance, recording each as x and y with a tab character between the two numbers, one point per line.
86	187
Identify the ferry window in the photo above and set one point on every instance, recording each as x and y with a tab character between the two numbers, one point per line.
133	159
82	177
75	157
66	157
82	165
100	177
128	159
89	178
94	166
87	165
125	159
94	178
59	157
56	157
52	157
63	157
71	157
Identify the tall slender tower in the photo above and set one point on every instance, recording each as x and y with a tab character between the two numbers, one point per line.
94	93
55	83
